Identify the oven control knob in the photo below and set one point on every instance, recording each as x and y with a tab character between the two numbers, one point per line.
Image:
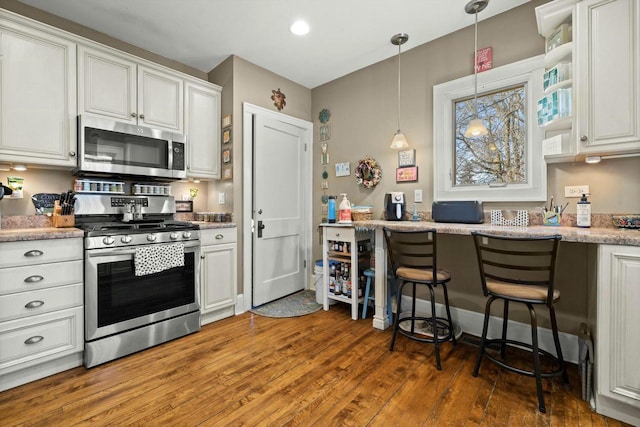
151	237
186	234
174	236
125	239
108	240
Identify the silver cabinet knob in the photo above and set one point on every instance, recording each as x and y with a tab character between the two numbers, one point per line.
34	340
33	279
133	115
33	253
584	138
34	304
72	153
142	116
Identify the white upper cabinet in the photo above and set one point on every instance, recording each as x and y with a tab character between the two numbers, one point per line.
116	86
38	96
608	75
605	57
202	129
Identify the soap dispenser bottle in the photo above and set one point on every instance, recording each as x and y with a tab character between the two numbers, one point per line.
345	210
583	217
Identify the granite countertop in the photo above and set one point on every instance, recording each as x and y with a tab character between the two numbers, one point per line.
204	225
41	233
606	235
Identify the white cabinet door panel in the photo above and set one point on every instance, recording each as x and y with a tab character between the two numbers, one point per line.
38	88
160	100
202	128
107	85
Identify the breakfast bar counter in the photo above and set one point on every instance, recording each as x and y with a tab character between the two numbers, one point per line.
605	278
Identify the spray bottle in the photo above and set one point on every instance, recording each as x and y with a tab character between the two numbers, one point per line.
583	217
345	210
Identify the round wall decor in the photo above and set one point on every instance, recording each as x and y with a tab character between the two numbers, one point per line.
368	172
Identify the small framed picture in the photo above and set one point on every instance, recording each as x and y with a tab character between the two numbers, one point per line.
226	156
342	169
184	205
406	158
227	173
226	135
325	133
226	121
408	174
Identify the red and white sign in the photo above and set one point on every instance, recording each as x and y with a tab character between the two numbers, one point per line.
484	59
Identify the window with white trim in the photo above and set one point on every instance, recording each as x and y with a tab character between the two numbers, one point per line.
505	165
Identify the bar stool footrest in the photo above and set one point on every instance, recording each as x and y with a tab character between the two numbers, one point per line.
423	328
495	345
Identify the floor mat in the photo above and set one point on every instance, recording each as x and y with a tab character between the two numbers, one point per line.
298	304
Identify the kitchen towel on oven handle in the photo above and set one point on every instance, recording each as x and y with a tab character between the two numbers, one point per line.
156	258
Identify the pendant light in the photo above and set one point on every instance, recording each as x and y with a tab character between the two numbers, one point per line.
475	128
399	140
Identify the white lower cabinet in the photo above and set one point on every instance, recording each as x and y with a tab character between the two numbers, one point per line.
617	339
41	309
218	281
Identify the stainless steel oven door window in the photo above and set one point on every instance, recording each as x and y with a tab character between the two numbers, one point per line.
117	300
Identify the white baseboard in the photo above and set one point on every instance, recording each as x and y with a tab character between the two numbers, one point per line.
471	323
240	308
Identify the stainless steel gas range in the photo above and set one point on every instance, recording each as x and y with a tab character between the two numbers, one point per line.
141	274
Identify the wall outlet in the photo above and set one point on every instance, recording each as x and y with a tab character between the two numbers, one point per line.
576	190
417	196
221	198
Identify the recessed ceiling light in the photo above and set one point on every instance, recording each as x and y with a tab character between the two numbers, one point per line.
299	28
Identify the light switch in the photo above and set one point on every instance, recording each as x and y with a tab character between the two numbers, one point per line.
221	198
417	196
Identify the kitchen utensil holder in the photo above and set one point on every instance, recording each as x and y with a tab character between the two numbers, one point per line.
519	218
61	221
551	218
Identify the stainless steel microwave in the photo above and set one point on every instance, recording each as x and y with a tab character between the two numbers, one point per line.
111	147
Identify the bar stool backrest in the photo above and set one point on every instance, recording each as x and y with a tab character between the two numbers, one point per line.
526	261
413	249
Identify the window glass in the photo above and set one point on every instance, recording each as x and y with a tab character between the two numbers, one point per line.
505	165
501	155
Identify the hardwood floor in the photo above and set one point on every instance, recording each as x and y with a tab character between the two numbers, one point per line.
322	369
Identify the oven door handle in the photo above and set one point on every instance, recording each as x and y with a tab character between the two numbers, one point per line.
130	251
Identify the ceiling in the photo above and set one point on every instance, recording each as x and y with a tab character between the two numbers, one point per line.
345	36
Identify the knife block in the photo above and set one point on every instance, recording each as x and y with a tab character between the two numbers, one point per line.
61	221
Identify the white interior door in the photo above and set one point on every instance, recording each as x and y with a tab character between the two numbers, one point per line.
278	209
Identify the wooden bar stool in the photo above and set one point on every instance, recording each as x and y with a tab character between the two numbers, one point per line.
412	257
521	270
370	273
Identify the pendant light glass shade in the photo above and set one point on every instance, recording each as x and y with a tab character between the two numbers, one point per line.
399	140
476	127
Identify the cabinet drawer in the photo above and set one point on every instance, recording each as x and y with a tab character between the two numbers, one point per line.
39	252
342	234
218	235
25	304
29	278
39	338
